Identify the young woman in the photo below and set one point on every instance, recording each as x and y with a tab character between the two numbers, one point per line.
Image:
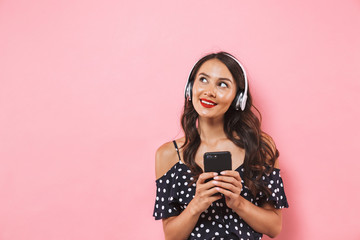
218	116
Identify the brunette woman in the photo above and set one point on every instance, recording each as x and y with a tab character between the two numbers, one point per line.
219	116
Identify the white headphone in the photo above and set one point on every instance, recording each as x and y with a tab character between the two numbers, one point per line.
241	97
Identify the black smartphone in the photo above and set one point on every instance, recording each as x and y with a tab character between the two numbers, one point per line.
217	161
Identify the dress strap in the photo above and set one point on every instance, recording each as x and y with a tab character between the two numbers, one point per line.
177	149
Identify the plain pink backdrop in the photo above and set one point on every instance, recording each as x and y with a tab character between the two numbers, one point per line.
90	89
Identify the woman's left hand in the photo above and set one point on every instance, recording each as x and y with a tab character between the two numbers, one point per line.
229	184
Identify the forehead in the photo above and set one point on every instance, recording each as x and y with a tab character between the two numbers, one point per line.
215	68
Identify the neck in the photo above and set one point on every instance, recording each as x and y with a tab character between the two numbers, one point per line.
211	130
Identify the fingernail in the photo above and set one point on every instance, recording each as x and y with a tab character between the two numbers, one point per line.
216	177
215	173
217	188
222	173
215	182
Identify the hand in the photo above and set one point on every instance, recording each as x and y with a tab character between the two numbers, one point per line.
204	193
229	184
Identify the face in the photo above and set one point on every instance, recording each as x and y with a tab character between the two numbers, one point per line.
214	89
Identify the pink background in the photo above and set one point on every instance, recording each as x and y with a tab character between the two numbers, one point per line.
90	89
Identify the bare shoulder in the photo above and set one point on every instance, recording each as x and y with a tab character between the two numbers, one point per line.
165	158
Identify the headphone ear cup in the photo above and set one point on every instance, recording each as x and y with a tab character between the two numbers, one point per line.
237	100
188	91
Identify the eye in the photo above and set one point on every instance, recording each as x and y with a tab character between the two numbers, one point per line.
223	85
202	79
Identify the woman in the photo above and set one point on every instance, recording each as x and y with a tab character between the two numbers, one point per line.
218	116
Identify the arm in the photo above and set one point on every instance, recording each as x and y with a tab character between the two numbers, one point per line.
265	219
180	227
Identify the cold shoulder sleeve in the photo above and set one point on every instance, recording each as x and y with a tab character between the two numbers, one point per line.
275	184
173	192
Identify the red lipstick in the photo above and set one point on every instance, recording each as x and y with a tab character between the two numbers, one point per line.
207	103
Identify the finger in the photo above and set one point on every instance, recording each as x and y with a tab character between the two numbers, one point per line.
215	198
228	186
226	193
231	173
231	180
206	175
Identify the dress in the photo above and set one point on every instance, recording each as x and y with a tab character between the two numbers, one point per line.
174	193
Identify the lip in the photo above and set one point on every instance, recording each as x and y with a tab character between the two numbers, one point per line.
207	105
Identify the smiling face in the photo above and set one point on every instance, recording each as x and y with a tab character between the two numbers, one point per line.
214	89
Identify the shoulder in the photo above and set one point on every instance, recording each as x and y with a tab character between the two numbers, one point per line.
165	158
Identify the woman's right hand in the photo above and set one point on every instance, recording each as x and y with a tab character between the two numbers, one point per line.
204	193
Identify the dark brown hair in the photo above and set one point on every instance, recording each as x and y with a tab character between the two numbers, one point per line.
241	127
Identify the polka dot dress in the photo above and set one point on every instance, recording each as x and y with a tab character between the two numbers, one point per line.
174	193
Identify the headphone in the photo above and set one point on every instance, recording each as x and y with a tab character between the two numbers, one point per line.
241	97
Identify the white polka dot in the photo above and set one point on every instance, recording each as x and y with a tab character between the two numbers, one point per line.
241	225
182	192
207	230
189	189
216	216
236	228
167	181
191	178
203	215
186	183
213	223
273	194
274	172
157	198
164	190
179	170
184	177
248	233
272	181
281	185
198	235
269	186
231	216
188	171
170	210
220	226
180	200
209	218
187	195
201	225
160	181
235	220
216	234
158	189
196	229
162	199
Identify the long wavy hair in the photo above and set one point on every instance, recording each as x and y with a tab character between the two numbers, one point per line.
241	127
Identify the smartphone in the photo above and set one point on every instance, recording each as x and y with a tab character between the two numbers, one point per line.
217	161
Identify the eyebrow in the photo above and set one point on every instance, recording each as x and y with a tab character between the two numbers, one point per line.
226	79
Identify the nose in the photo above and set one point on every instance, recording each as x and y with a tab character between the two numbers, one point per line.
210	91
